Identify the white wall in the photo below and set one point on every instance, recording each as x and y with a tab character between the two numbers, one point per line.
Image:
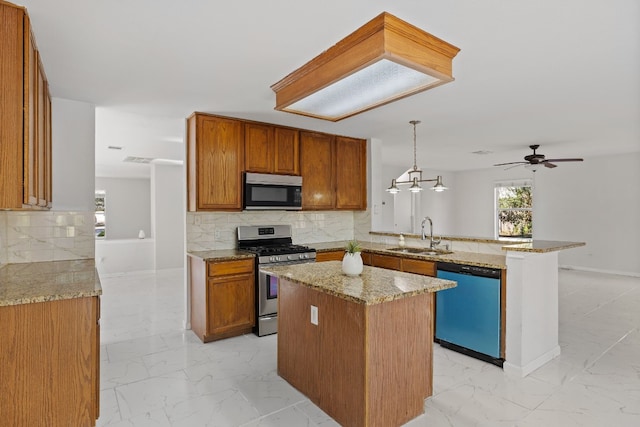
127	206
168	214
473	204
73	148
597	201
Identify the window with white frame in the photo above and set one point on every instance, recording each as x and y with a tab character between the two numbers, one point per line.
514	209
99	222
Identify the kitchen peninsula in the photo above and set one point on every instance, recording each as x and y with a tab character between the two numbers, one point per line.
529	290
359	347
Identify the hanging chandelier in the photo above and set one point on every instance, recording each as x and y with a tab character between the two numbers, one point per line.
415	174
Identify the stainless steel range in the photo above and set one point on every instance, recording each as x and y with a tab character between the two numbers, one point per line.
272	245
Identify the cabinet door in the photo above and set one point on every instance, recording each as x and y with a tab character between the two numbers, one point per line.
231	304
351	173
258	148
317	169
47	149
40	137
287	151
220	159
30	123
11	99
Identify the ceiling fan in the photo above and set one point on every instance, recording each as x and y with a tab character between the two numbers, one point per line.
533	161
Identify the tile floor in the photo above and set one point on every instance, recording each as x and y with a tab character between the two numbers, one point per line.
156	374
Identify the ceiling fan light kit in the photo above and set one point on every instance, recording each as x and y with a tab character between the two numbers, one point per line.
415	174
384	60
534	161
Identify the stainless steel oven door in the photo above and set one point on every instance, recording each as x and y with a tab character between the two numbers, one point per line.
268	289
267	294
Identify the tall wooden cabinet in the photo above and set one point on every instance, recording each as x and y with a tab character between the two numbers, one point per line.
317	161
351	173
215	161
25	116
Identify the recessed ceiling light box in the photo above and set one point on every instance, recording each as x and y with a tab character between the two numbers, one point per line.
384	60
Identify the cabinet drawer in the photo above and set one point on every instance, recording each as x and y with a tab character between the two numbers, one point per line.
230	267
385	261
329	256
426	268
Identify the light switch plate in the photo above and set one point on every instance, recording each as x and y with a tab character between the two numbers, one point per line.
314	315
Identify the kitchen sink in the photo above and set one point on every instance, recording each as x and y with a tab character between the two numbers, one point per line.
421	251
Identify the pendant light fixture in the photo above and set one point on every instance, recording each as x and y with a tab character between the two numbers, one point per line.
415	174
384	60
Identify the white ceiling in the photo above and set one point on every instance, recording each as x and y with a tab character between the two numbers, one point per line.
561	73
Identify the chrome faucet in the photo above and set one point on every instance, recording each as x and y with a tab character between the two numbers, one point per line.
432	243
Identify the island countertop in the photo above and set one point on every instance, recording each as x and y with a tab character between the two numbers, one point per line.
373	286
26	283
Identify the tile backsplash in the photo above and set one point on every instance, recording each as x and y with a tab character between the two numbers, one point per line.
32	236
217	230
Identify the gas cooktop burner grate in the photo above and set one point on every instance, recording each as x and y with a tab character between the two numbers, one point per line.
278	249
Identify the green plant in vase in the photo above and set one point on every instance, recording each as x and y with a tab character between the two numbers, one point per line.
352	260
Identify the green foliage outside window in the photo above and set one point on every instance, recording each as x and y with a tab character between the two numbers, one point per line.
514	211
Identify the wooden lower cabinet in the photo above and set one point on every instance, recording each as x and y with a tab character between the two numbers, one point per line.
50	363
222	297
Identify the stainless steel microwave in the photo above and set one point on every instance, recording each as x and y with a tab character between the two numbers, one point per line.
263	191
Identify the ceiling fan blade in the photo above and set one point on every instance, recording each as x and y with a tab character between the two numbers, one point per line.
549	165
511	163
564	160
515	166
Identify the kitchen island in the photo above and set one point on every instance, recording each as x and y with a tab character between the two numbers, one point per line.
359	347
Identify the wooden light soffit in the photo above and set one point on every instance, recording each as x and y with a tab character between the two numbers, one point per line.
383	38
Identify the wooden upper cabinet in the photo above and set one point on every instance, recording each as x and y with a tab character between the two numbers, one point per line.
351	173
317	169
270	149
25	116
215	161
258	148
287	151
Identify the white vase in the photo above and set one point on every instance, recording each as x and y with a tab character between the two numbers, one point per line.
352	264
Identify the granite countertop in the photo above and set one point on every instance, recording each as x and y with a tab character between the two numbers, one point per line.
221	254
373	286
457	257
34	282
453	238
542	246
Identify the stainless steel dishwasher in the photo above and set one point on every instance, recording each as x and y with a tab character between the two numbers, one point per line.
468	316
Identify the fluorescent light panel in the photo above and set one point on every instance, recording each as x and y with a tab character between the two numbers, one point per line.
379	83
384	60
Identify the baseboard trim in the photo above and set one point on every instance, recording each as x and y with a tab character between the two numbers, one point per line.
523	371
599	270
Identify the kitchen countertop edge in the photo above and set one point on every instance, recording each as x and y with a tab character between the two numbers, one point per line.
374	289
35	282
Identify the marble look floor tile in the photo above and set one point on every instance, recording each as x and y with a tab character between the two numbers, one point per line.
120	372
291	416
154	373
154	393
